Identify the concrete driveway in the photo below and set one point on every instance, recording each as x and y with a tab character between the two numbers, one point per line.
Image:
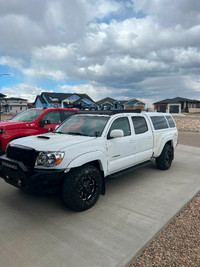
40	231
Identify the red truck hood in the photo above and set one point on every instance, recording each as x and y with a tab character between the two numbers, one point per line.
12	124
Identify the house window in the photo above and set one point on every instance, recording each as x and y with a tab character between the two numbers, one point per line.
10	108
194	105
73	98
53	98
20	108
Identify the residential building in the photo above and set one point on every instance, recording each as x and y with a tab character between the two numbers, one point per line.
111	103
64	100
177	105
13	105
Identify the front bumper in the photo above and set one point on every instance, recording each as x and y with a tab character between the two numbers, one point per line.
36	180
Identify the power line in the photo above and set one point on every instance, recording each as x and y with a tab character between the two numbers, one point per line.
5	74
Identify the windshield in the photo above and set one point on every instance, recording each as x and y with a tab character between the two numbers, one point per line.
83	125
28	115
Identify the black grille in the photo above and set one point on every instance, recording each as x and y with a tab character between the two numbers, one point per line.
24	154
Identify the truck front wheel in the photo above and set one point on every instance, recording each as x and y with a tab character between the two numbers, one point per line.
164	161
82	187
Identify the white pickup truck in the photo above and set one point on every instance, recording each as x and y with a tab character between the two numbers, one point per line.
85	149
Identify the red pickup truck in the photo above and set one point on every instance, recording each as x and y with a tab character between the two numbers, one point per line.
31	122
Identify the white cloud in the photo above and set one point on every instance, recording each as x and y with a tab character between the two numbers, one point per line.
94	90
171	13
20	34
98	9
97	92
23	90
187	58
15	63
126	49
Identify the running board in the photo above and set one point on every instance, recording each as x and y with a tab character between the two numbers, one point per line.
128	170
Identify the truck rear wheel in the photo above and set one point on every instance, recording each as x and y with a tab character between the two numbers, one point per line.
82	187
164	161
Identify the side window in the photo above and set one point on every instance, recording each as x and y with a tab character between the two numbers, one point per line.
159	122
170	121
53	117
120	124
66	113
140	125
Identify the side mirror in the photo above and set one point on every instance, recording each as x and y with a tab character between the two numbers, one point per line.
116	133
50	130
42	123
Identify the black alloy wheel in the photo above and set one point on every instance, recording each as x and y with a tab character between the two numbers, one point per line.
87	187
82	187
164	161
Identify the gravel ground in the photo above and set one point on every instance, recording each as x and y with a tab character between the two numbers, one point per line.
189	130
179	243
188	123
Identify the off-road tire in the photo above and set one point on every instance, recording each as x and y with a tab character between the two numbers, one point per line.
82	187
164	161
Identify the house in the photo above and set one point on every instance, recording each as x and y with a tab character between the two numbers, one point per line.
111	103
64	100
13	105
2	95
177	105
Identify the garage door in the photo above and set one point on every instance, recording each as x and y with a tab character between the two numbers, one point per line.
174	109
129	107
161	108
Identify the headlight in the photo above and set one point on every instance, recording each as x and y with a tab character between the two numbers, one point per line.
49	159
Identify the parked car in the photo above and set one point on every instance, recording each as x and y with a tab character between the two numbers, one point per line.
32	122
87	148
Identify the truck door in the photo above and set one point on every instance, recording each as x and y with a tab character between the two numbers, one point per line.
120	150
50	120
143	139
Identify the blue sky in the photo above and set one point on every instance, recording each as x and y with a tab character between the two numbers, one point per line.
145	49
